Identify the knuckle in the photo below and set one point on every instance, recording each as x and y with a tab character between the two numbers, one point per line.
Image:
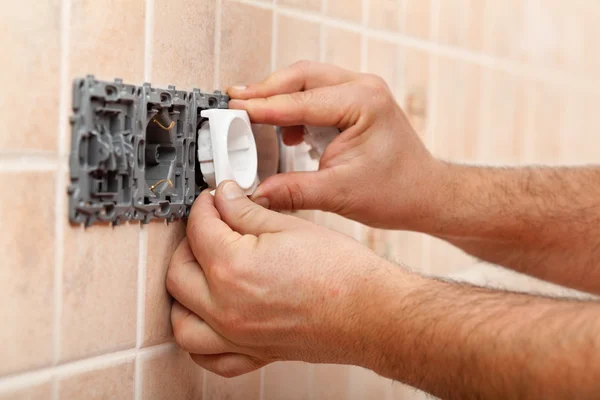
248	212
232	322
294	193
376	91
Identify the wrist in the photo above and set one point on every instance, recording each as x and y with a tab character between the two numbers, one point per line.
437	193
380	304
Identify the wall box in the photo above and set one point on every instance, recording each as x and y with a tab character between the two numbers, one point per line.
134	151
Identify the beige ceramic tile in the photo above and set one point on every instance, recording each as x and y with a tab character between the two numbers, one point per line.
417	18
286	380
445	259
461	23
342	48
546	104
456	132
114	382
385	59
183	43
107	39
406	71
297	40
584	57
99	289
580	140
410	17
245	387
163	239
246	33
350	10
386	15
330	382
367	385
548	32
36	391
503	34
405	392
503	118
171	375
30	78
308	5
27	248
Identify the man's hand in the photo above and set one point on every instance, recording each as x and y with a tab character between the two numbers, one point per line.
541	221
377	171
253	286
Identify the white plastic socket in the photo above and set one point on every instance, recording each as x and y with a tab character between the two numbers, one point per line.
227	149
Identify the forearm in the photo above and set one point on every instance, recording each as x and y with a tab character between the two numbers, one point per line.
541	221
459	341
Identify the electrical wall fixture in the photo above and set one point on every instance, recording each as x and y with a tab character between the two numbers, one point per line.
134	151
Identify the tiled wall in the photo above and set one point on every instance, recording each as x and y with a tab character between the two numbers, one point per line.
85	314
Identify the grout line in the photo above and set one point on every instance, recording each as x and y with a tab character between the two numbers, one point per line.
35	160
323	33
148	39
31	377
261	386
364	40
143	233
528	135
141	306
310	381
141	284
204	384
60	194
217	47
274	41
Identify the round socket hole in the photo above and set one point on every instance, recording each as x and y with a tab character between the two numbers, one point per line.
212	102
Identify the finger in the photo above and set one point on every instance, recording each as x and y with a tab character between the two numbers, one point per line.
331	106
246	217
208	235
187	283
301	76
292	135
298	191
228	365
194	335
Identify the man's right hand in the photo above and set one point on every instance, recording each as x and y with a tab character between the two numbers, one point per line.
377	171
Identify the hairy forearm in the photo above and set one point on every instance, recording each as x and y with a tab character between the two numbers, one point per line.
541	221
459	342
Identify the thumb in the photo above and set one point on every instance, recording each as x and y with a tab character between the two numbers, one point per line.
297	191
246	217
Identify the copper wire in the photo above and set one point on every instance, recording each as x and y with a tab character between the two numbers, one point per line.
161	181
166	128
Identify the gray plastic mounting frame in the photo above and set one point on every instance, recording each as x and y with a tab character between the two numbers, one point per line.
133	151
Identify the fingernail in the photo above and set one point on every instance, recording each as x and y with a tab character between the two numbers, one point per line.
240	88
232	191
263	202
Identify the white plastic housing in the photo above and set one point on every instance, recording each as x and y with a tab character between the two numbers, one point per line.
227	149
